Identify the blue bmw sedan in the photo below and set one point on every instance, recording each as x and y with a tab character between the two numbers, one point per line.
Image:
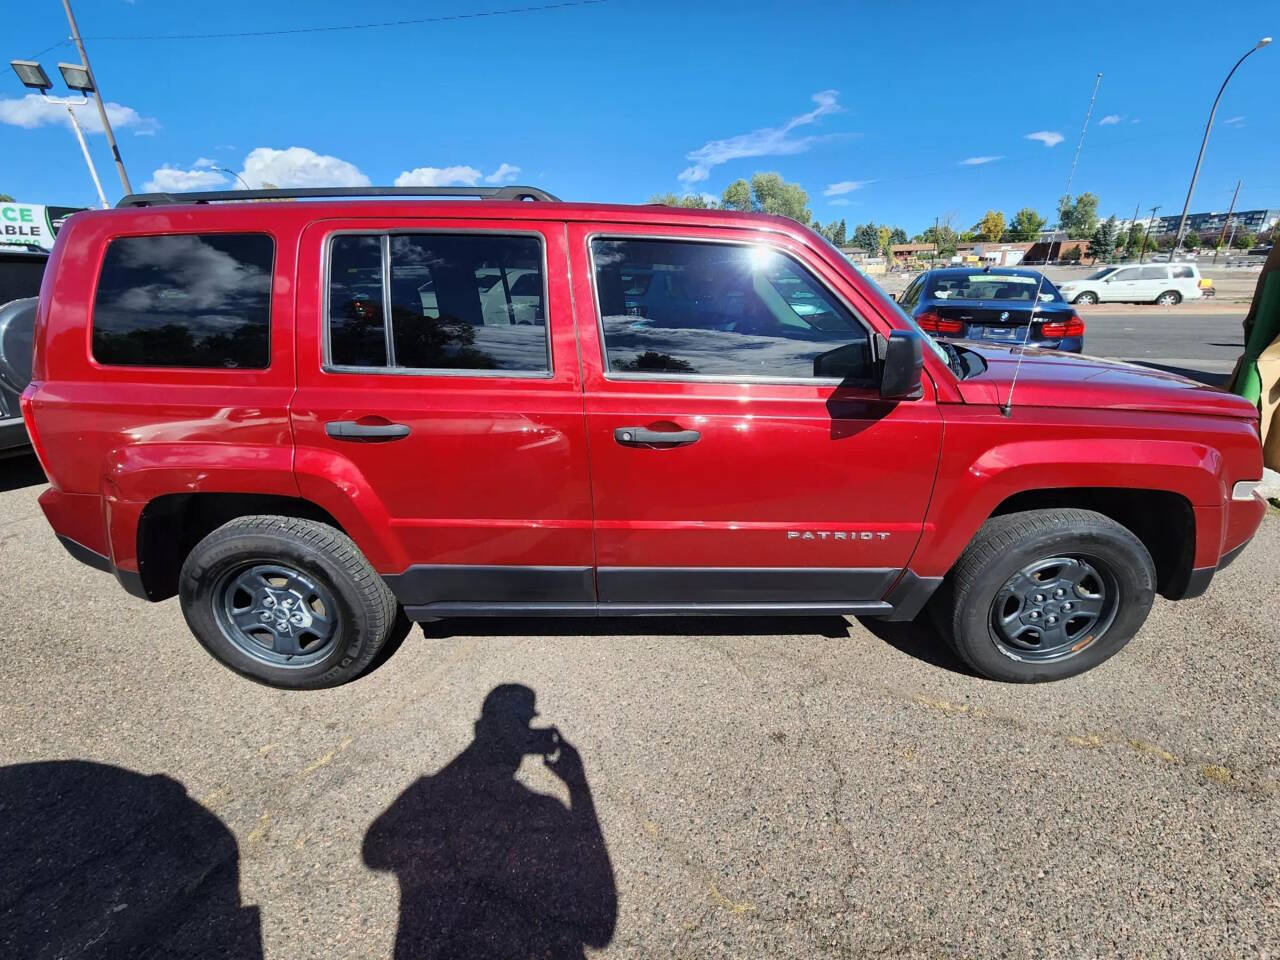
994	304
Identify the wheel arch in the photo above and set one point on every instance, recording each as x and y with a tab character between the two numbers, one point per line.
1163	520
172	524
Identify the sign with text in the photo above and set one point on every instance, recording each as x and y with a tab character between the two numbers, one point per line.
28	225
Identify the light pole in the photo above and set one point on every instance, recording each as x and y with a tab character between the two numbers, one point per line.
1182	223
214	166
33	76
92	87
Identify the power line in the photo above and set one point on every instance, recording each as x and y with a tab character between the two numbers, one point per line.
37	56
540	8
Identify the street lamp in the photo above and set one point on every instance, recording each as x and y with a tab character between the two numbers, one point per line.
1182	223
33	77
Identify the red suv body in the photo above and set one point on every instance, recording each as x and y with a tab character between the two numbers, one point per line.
517	408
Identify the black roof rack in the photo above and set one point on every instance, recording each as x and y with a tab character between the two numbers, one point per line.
302	193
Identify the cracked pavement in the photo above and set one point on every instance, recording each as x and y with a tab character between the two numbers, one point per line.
798	788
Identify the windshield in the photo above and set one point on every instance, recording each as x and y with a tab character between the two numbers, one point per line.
1104	272
993	286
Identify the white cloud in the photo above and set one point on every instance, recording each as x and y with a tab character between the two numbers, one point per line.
506	173
299	167
765	142
1111	119
203	163
176	180
1234	121
1050	138
840	202
844	186
978	161
34	111
439	177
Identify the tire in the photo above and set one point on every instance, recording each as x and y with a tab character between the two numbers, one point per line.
1170	298
1088	298
1055	545
286	602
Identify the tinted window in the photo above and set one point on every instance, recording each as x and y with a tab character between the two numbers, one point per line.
457	303
1129	274
993	286
717	309
1153	273
185	301
356	331
1184	273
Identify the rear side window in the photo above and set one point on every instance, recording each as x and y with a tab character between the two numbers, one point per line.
1154	273
457	302
1184	273
185	300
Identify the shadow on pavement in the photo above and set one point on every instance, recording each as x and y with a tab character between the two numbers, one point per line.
488	867
709	626
920	639
1200	376
18	472
101	862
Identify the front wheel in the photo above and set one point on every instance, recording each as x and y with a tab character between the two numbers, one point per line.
1170	298
1088	298
290	603
1047	594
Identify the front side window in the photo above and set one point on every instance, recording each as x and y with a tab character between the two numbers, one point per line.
718	309
185	300
457	302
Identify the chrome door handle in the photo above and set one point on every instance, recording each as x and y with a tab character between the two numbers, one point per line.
642	436
354	430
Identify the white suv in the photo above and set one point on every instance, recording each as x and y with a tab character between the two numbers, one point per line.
1162	283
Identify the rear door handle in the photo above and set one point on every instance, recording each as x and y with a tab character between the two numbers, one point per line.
354	430
641	436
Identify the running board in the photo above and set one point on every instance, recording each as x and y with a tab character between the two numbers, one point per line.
431	611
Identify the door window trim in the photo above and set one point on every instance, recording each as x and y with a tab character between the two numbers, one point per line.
385	234
622	375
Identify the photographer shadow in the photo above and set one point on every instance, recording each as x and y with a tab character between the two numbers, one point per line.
488	867
101	862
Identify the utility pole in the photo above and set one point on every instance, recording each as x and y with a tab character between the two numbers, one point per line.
97	95
1146	233
1230	210
1136	207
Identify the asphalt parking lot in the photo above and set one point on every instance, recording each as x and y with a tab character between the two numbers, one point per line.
807	788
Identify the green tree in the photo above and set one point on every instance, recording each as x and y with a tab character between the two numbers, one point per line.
886	240
943	237
1244	241
1079	217
1192	241
1103	242
1133	240
991	226
1026	225
690	200
768	193
5	198
867	236
835	231
897	235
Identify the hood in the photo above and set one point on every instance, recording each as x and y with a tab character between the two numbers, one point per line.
1049	378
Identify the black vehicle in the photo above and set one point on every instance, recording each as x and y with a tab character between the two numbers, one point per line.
20	273
994	304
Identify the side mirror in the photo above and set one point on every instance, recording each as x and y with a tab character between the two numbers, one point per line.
903	363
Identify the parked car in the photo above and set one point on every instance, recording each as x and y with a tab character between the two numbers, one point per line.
21	269
255	406
1167	285
995	304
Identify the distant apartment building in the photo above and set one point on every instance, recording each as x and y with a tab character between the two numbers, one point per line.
1246	221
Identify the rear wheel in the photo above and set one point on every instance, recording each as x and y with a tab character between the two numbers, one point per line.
1047	594
1170	298
1088	298
287	602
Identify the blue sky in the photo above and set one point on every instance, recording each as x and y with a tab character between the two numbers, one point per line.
891	111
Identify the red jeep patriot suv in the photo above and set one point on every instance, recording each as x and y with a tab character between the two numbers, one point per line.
304	417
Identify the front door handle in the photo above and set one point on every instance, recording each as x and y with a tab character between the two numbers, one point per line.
642	436
355	430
